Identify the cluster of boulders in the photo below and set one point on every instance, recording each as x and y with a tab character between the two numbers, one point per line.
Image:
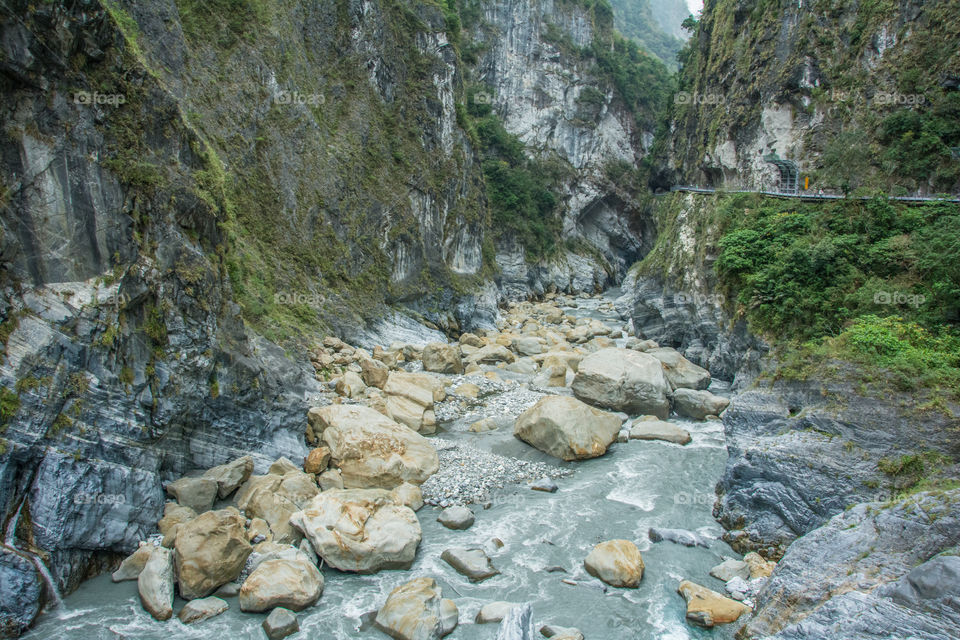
351	504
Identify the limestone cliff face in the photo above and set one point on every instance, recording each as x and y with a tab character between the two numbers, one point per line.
181	194
553	97
827	85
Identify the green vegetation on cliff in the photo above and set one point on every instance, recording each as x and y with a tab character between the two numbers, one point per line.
870	282
866	281
872	87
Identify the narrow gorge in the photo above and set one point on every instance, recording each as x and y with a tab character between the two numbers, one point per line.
480	319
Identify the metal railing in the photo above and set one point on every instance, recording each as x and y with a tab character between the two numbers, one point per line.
810	196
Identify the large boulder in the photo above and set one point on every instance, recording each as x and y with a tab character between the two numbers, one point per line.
410	399
350	385
491	354
623	380
282	466
374	372
680	372
616	562
528	345
420	418
274	498
231	475
198	494
210	550
655	429
698	404
294	583
731	568
422	388
133	564
409	495
174	514
416	610
440	357
494	611
362	530
707	608
678	536
317	460
371	450
155	584
566	428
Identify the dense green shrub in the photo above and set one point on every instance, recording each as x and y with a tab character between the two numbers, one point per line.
868	282
805	270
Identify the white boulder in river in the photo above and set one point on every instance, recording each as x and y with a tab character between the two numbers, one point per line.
566	428
370	449
361	530
623	380
416	610
616	562
456	517
155	584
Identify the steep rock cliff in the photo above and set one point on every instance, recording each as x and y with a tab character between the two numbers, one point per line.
183	193
857	95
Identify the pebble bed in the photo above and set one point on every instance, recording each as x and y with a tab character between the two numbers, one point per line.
468	475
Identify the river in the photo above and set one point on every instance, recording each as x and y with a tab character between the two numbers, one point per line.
635	486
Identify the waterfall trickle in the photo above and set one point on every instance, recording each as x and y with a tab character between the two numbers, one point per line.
54	600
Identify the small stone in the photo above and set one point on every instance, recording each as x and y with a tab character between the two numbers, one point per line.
494	612
317	460
730	569
472	563
545	484
457	518
280	623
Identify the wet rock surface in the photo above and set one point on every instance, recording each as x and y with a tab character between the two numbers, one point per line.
877	564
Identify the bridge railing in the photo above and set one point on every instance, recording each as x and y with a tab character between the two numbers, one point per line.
809	196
